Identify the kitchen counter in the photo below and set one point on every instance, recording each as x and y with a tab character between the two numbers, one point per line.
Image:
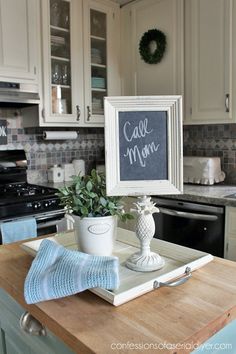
190	313
216	194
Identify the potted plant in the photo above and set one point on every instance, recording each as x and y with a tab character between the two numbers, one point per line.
93	213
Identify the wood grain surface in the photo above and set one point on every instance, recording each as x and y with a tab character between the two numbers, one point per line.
190	313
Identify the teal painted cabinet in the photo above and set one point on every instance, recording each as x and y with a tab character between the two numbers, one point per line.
223	342
13	340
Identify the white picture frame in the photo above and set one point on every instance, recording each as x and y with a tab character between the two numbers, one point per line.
133	125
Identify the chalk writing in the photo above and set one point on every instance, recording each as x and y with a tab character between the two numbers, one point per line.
139	131
135	153
143	145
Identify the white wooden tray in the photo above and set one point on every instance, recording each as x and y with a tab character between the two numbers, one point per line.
132	283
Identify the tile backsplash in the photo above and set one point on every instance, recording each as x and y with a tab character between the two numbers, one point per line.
213	140
42	154
199	140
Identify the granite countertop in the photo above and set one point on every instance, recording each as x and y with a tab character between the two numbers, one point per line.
216	194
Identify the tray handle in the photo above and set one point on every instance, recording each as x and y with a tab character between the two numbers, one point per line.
182	280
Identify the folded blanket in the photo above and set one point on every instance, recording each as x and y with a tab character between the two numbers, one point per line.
58	272
18	230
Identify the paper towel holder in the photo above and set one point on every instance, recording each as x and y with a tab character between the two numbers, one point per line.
60	135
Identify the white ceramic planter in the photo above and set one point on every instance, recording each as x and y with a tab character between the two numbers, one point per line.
95	235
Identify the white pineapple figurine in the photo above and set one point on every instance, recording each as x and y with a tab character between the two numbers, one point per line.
145	260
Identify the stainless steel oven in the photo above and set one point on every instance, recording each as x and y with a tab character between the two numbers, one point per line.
50	222
194	225
20	199
47	223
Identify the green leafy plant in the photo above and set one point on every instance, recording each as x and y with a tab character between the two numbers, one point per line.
86	197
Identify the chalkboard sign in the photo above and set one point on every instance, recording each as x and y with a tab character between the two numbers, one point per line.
3	132
143	145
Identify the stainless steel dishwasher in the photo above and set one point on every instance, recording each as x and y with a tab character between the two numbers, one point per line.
194	225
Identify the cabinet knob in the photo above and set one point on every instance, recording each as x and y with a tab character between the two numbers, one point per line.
227	102
78	112
88	113
30	325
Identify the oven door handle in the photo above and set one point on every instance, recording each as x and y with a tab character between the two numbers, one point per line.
48	224
47	216
184	214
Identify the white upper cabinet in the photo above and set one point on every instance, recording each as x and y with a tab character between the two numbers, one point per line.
208	61
101	57
165	77
19	52
81	60
63	61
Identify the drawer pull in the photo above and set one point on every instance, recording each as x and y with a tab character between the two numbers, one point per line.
30	325
188	274
78	112
88	113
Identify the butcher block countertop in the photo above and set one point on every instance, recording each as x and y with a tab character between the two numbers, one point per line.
190	313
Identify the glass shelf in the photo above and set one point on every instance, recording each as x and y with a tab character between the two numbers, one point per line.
59	29
98	65
60	59
62	86
98	89
98	38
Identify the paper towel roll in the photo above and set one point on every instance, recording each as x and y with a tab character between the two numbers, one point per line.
79	167
60	135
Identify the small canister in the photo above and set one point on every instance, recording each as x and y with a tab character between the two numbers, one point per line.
55	174
79	166
69	171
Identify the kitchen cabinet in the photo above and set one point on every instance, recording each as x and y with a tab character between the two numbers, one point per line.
19	41
101	57
81	60
209	61
139	77
13	340
230	233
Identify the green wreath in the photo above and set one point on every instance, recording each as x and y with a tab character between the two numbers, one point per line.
144	46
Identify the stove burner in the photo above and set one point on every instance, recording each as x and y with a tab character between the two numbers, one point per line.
18	199
23	190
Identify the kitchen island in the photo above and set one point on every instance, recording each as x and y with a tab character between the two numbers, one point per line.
186	315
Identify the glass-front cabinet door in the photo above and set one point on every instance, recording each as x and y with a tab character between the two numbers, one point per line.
63	60
101	59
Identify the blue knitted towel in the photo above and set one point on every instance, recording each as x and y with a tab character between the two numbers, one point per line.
18	230
58	272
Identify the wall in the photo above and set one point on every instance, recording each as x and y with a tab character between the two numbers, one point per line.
213	140
43	154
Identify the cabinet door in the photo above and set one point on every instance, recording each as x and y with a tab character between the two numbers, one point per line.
18	40
14	340
63	61
208	61
101	57
165	77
